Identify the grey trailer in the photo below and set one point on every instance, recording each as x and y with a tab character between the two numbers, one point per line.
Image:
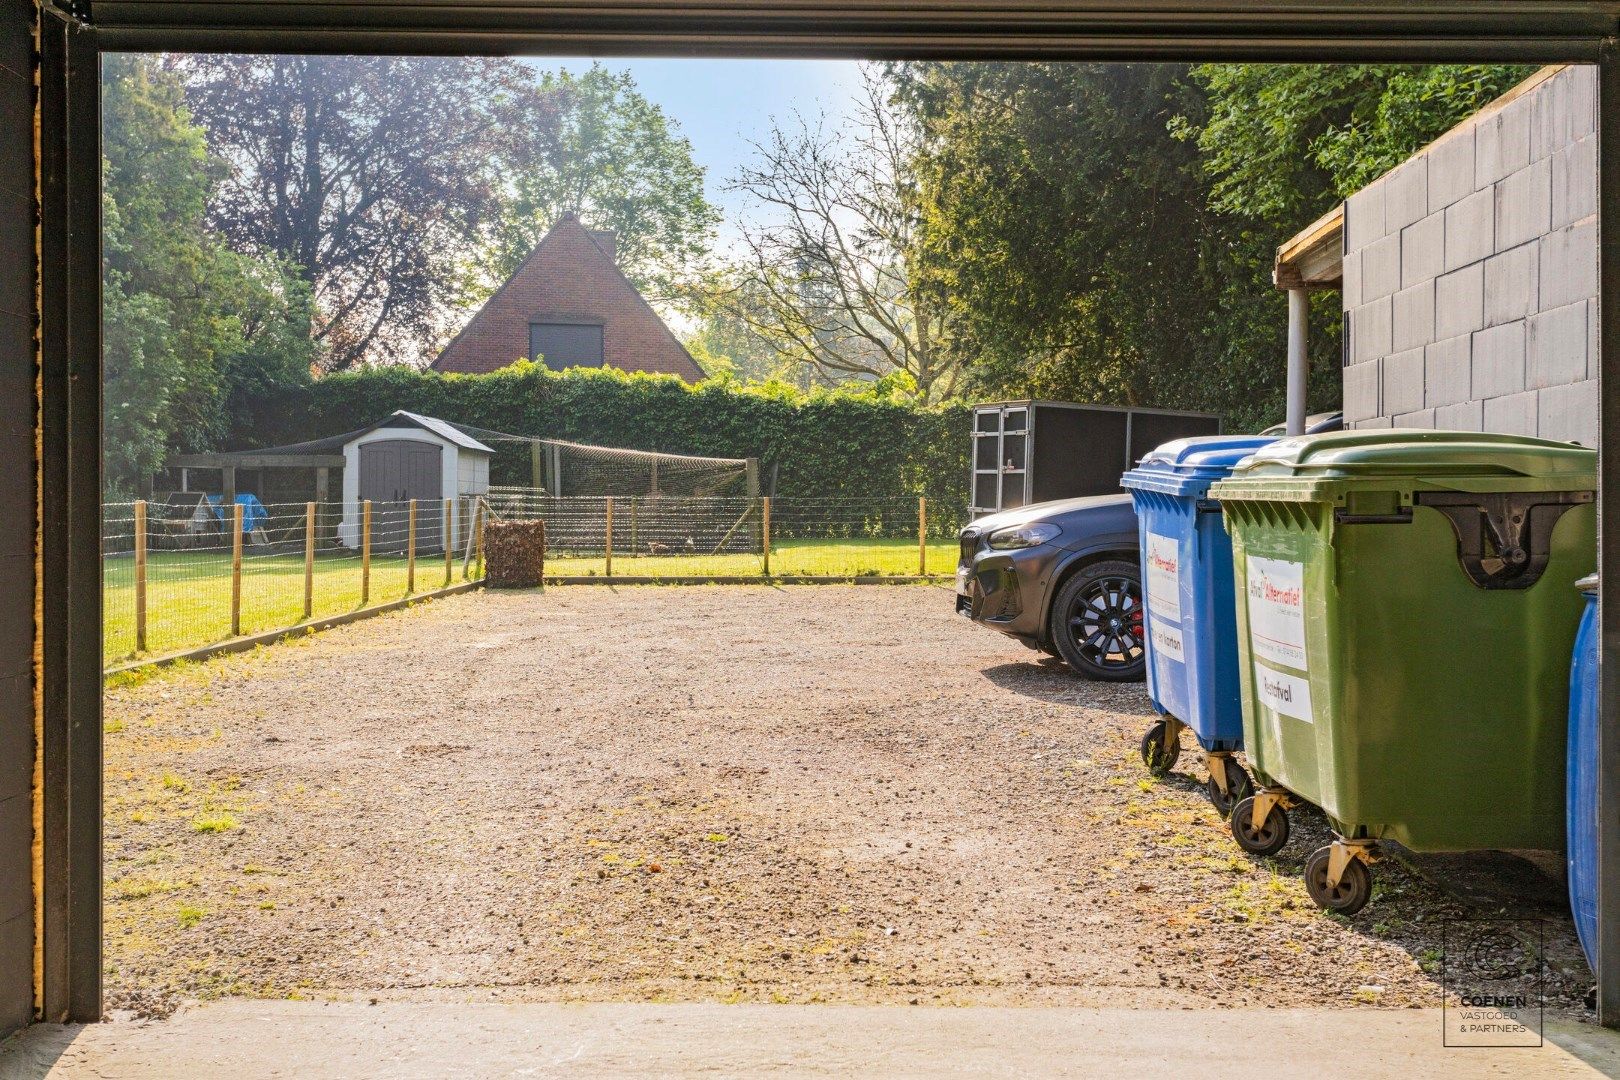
1036	451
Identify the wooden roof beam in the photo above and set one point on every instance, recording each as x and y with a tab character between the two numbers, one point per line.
256	461
1314	257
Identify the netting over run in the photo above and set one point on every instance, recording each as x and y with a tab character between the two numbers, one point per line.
557	468
600	470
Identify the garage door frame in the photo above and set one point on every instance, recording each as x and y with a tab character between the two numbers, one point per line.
68	644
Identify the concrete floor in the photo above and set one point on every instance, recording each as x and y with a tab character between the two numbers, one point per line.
245	1040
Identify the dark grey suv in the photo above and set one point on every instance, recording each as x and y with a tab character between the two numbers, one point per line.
1064	577
1061	577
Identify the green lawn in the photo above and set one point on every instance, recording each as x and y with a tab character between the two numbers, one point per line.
188	594
808	558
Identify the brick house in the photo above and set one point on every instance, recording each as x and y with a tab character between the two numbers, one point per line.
1469	273
569	305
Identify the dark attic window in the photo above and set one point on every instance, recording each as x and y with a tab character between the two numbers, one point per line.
563	345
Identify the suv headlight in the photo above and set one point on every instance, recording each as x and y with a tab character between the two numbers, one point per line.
1024	536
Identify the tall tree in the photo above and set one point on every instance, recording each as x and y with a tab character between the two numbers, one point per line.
622	165
830	275
370	174
1073	236
1284	141
188	323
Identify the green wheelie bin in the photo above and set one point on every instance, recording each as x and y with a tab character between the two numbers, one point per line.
1405	620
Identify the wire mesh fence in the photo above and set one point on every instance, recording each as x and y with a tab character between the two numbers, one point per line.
664	536
189	572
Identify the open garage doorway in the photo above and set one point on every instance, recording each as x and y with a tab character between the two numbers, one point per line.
665	836
59	926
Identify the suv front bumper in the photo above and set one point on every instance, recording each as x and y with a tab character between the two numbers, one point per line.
1006	590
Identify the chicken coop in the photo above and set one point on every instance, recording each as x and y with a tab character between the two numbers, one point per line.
1035	451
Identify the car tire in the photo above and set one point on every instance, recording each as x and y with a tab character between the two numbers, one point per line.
1096	622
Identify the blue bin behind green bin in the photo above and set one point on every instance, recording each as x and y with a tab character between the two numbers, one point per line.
1192	644
1581	789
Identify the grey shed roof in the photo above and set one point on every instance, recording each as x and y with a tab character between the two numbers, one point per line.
443	429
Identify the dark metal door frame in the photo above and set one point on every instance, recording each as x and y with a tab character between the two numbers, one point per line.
68	966
75	31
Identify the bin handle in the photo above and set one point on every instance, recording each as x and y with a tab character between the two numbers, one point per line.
1399	517
1504	540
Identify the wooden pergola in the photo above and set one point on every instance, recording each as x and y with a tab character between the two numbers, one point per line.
228	463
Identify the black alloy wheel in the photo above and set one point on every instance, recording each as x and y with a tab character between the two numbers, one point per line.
1097	622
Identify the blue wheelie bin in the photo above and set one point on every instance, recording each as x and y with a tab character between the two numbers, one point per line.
1192	645
1580	790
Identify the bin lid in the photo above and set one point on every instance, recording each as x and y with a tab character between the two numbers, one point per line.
1189	466
1589	583
1421	454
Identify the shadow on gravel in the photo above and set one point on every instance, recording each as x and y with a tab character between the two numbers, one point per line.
1051	681
1425	903
1416	897
1528	885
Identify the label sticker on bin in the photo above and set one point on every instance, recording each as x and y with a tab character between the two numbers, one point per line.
1284	693
1166	639
1277	635
1164	597
1164	577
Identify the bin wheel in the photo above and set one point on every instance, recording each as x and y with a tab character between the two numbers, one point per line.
1157	754
1264	838
1239	786
1351	894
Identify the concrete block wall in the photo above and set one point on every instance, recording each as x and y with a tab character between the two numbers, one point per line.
1470	274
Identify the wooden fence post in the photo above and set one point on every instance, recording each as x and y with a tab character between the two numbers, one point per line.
478	536
365	552
449	540
236	569
765	532
609	538
410	549
309	560
922	536
140	575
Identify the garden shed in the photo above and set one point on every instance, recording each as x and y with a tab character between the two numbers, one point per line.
409	456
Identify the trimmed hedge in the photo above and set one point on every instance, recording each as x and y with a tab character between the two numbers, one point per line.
854	444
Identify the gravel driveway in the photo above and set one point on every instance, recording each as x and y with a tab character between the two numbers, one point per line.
807	794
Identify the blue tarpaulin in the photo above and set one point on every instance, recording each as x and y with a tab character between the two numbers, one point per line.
254	515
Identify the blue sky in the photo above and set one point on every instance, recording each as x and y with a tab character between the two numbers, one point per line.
724	105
